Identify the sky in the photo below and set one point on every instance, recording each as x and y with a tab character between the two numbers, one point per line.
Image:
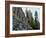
33	12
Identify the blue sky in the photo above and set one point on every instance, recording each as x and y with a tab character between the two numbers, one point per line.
33	12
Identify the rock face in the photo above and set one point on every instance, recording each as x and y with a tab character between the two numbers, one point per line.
20	22
19	25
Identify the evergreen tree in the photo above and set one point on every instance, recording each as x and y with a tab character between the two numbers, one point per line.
37	24
30	21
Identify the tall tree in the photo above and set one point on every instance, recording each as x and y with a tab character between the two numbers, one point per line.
31	21
37	24
30	18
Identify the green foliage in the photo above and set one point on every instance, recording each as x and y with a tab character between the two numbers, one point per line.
31	22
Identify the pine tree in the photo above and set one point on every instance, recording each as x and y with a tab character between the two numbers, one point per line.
37	24
30	18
